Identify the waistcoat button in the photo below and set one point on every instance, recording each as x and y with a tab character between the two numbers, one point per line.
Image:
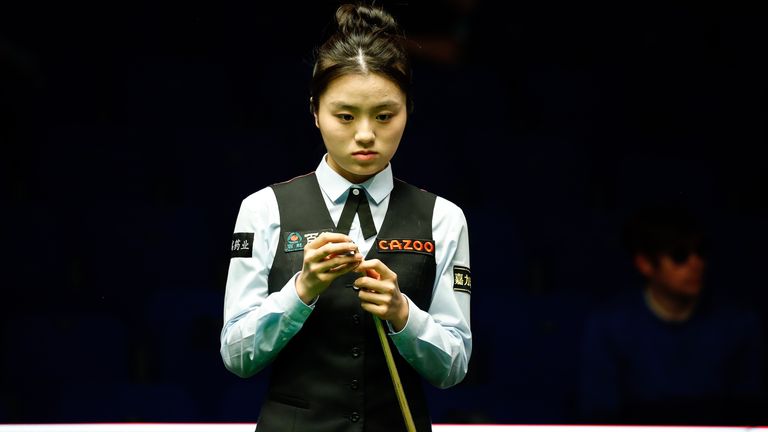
355	352
354	384
356	319
354	417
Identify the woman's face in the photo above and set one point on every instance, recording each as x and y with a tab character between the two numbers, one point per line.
362	119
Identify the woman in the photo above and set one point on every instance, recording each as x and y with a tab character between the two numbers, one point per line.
314	258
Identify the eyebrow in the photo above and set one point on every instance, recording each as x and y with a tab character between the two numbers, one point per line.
384	104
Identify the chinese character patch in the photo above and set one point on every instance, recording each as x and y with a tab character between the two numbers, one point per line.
242	245
462	279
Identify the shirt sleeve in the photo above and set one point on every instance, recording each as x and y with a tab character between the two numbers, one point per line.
438	342
257	325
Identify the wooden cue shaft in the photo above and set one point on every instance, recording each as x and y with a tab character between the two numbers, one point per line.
395	376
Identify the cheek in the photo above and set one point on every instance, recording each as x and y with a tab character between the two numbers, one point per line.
330	131
323	121
394	134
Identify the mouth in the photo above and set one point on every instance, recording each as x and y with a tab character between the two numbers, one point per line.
364	155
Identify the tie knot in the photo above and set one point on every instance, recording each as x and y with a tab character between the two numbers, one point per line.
357	204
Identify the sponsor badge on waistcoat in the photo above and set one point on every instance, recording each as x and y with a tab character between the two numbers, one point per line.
296	240
426	247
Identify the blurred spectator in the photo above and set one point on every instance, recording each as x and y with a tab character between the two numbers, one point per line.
671	353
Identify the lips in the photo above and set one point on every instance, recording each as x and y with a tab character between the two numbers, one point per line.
364	155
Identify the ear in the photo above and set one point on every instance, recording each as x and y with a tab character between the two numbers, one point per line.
644	265
313	111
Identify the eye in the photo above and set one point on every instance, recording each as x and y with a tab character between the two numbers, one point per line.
345	118
384	117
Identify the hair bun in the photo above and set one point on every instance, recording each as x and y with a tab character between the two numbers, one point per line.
363	19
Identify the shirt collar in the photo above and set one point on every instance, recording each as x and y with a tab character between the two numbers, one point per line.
334	186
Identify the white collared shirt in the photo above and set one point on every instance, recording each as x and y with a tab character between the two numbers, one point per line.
257	325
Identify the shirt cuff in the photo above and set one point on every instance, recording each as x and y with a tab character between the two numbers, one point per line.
413	325
289	301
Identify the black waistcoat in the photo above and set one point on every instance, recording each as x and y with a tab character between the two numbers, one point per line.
332	376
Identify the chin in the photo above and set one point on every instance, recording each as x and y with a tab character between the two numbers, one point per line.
364	171
688	292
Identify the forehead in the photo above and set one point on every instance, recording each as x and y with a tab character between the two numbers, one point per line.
361	90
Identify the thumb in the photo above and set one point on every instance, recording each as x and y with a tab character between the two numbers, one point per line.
372	274
367	268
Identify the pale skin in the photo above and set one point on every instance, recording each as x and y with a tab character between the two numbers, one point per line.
361	118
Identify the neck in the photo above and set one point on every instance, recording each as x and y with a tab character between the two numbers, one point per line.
669	308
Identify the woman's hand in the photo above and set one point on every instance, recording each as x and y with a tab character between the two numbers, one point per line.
327	257
380	294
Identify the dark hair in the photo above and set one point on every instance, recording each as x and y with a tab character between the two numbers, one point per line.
367	40
663	229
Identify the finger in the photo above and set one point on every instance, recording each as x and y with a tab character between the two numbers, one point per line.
378	310
375	298
332	250
380	270
329	237
367	283
337	262
347	251
350	266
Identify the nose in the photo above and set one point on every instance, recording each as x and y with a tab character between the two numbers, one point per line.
364	134
697	260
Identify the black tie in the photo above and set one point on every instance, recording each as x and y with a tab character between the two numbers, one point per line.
357	202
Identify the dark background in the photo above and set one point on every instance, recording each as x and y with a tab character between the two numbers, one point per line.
131	131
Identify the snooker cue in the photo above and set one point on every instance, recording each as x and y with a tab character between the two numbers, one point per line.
395	376
410	426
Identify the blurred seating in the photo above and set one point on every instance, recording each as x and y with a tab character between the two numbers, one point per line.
124	402
241	400
181	330
48	353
